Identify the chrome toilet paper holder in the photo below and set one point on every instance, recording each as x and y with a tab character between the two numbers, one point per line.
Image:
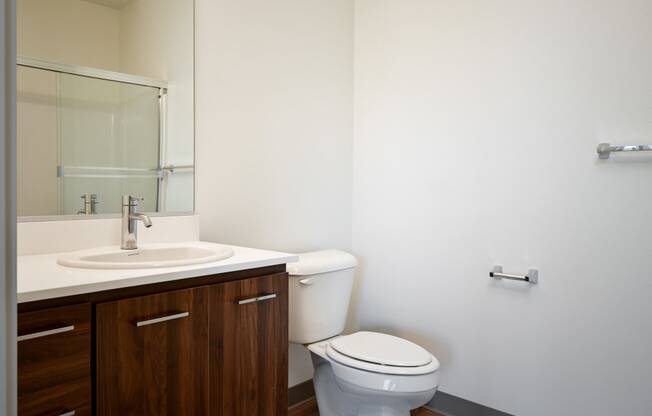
532	275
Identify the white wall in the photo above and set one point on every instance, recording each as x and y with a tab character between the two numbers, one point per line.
475	133
274	126
74	32
36	237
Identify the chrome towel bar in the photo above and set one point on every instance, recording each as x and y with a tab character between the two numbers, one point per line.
532	275
605	149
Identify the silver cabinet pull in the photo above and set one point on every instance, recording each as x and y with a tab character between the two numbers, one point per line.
68	413
532	275
46	333
163	319
257	299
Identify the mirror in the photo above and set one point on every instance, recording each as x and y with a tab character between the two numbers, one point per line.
105	101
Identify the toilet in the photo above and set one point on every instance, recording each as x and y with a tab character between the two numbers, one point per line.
363	373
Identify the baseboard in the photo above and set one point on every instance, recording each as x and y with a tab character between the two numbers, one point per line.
301	393
449	405
443	403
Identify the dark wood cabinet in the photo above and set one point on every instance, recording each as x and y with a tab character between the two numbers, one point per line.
152	355
54	361
211	345
248	347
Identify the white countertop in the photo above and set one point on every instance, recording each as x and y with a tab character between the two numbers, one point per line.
40	277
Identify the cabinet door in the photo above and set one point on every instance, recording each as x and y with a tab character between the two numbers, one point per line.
54	361
249	347
152	355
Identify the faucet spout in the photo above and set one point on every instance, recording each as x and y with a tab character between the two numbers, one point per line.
141	217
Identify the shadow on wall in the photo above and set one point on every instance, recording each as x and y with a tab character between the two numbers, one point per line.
435	346
352	315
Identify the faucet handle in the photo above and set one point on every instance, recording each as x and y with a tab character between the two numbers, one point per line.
132	201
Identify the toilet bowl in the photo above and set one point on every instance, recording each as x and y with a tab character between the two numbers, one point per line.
363	373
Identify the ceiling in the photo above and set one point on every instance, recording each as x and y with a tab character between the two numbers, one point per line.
114	4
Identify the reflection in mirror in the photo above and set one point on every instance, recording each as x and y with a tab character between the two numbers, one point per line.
105	106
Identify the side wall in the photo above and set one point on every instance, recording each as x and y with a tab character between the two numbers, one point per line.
74	32
476	125
274	126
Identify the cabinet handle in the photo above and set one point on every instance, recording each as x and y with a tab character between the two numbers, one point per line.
68	413
163	319
257	299
46	333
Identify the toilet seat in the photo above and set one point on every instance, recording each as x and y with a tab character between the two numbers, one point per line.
381	353
372	379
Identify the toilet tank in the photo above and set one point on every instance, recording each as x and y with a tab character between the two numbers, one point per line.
320	290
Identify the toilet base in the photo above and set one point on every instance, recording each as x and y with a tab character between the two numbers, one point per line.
338	398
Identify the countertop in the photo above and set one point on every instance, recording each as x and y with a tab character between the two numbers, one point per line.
40	277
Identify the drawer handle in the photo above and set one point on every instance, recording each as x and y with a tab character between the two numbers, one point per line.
257	299
68	413
163	319
46	333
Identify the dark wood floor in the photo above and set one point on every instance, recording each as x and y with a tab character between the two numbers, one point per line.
309	408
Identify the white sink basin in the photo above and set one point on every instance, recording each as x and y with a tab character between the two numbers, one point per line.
148	256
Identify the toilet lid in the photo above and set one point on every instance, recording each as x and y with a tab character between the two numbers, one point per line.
382	349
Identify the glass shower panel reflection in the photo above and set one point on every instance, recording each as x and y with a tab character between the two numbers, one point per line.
36	142
108	143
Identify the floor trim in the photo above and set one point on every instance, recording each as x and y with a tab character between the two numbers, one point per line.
301	392
306	408
443	403
449	405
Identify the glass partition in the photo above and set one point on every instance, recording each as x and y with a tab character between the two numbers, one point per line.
101	140
109	143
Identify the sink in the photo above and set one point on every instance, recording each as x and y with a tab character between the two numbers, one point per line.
148	256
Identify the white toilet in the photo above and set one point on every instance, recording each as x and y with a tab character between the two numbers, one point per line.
364	373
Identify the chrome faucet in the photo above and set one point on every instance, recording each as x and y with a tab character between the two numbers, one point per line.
129	222
90	204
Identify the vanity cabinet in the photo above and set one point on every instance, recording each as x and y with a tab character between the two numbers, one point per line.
216	349
54	361
209	345
152	354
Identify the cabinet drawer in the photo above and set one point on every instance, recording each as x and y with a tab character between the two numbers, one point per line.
54	367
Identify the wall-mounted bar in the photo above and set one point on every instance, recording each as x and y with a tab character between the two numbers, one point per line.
178	168
89	72
605	149
532	275
106	172
117	172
